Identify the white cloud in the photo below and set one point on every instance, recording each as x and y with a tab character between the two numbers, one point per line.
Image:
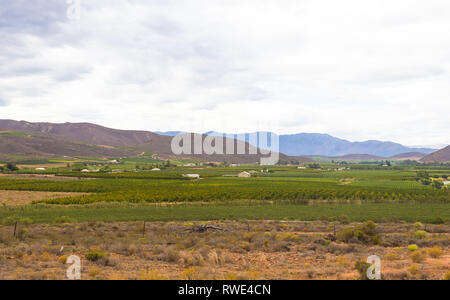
355	69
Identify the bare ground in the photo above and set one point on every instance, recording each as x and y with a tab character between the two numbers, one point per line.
17	198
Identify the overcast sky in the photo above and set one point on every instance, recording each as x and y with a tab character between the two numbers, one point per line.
355	69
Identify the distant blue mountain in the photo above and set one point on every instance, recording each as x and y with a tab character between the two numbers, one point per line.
324	144
169	133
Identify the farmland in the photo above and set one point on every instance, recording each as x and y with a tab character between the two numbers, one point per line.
295	220
318	190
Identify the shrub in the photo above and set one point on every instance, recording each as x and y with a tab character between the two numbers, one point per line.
365	233
10	220
63	219
418	225
170	255
392	256
414	269
420	234
95	256
343	261
21	233
362	267
26	221
345	235
418	256
438	221
95	271
438	184
231	276
189	274
63	259
435	252
46	256
413	248
446	276
152	275
368	228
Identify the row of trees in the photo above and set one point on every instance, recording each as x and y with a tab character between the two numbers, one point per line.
424	178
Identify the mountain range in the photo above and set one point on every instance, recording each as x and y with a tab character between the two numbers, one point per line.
90	140
316	144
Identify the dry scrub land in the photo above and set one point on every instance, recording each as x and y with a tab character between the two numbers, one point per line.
17	198
240	250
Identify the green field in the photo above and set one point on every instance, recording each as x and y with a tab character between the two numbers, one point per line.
141	212
284	193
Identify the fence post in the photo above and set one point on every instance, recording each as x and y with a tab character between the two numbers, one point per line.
15	227
143	232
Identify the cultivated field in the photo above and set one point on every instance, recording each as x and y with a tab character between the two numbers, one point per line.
284	223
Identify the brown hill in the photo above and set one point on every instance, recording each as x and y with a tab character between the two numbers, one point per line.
359	157
86	133
409	156
40	145
442	155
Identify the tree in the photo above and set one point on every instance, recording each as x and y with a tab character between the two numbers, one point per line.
438	184
314	166
11	167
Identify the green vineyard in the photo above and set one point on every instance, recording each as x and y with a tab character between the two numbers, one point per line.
283	186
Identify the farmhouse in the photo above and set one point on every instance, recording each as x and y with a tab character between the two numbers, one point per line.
40	169
193	176
156	169
85	171
244	175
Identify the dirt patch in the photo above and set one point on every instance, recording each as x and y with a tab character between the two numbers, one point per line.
43	176
47	166
16	198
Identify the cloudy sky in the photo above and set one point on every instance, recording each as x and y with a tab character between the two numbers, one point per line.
355	69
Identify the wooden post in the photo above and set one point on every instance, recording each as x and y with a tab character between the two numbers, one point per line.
15	227
143	232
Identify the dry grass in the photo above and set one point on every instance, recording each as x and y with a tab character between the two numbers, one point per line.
47	166
17	198
255	250
44	177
